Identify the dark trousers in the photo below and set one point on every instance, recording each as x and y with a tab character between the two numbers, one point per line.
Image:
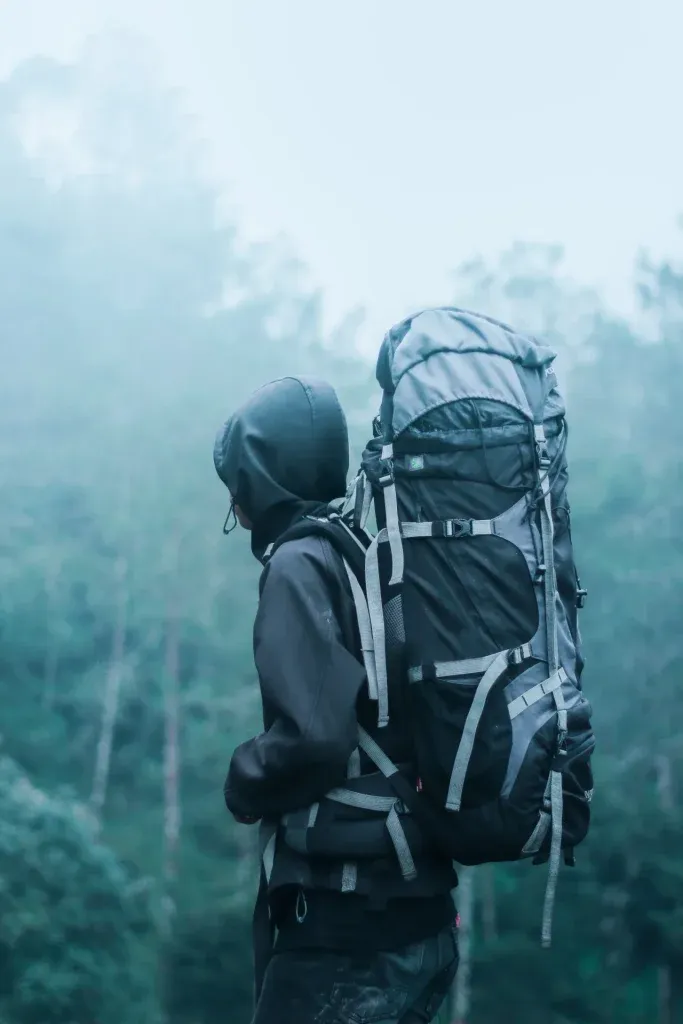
405	986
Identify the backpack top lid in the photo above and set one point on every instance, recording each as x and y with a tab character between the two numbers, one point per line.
419	369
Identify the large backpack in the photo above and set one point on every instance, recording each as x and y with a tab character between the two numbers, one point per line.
471	591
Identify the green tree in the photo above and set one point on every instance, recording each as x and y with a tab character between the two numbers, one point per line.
71	929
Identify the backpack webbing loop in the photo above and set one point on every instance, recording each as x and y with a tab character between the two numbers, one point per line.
373	589
365	503
401	845
393	526
365	631
536	693
556	813
350	869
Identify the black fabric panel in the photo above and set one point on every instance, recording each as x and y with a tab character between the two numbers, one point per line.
493	833
471	596
465	599
434	444
359	840
577	783
440	709
498	477
466	414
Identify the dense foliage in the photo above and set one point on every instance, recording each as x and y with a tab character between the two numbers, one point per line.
131	322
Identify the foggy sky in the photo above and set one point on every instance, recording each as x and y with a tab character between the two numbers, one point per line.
390	140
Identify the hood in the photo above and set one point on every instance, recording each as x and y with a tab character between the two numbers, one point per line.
284	454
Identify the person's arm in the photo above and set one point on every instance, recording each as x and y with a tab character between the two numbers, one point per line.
309	685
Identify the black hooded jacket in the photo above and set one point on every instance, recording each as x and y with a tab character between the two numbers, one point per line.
284	455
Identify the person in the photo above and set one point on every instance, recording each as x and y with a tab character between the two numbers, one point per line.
355	941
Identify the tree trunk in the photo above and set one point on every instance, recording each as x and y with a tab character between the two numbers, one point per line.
664	996
664	977
111	696
53	611
489	913
461	995
171	767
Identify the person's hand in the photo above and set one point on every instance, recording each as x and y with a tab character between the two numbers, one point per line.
245	819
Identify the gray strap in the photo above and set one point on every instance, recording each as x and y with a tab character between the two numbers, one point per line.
365	631
537	837
462	758
558	697
364	801
548	542
313	814
416	531
353	770
349	877
394	827
367	502
547	535
350	868
376	754
556	804
376	612
550	594
413	531
482	527
447	669
401	846
267	840
350	502
393	525
351	534
536	693
557	815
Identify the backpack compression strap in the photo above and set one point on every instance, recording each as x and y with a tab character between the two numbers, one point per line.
555	782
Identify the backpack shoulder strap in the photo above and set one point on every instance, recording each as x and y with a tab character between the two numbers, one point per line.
349	543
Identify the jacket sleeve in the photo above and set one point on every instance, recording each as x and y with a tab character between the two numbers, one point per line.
309	685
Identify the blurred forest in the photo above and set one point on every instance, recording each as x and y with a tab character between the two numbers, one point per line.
132	320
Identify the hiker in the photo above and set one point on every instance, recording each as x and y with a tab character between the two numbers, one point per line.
354	919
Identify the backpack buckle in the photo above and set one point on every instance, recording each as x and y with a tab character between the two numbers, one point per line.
456	527
581	595
542	454
387	477
562	733
518	655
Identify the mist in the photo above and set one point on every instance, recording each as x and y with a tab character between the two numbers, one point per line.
142	297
